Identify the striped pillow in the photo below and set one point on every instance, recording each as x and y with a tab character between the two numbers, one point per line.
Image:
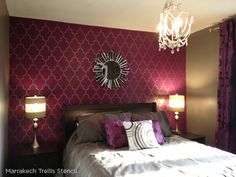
140	135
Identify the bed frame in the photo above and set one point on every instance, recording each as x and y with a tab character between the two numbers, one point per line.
72	111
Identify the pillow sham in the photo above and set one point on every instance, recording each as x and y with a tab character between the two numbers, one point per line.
139	116
115	133
160	116
140	135
90	127
118	116
164	123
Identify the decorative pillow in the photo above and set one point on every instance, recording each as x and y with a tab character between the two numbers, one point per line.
157	132
160	116
140	135
116	136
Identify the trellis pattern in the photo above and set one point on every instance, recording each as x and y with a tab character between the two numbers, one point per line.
56	60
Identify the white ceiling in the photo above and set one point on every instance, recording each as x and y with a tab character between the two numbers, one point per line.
141	15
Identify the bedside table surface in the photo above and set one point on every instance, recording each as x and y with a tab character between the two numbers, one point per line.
190	136
47	156
26	149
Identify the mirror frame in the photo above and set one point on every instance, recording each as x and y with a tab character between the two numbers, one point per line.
100	66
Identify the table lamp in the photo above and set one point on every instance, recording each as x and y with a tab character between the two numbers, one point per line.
176	104
35	108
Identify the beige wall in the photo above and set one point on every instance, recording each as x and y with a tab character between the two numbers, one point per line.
202	81
4	75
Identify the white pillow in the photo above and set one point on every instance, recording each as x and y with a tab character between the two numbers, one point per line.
140	135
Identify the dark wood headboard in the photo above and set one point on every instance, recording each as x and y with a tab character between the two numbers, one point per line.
72	111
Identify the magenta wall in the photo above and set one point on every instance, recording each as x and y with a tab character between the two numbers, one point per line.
56	59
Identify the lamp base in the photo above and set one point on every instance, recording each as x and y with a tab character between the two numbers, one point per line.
176	123
35	144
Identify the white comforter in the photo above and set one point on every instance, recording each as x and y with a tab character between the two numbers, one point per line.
178	158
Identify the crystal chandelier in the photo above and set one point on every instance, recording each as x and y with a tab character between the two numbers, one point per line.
174	27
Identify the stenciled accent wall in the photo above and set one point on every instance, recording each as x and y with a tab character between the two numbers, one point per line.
56	60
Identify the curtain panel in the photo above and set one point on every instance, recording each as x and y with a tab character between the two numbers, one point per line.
226	122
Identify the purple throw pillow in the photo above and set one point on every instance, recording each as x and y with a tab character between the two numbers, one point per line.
157	131
116	135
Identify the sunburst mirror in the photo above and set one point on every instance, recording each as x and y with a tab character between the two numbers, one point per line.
111	69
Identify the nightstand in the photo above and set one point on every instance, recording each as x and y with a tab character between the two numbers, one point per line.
193	137
43	161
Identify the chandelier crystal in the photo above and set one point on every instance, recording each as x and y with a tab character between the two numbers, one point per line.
174	27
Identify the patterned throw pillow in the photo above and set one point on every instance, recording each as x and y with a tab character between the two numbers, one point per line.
116	136
157	132
140	135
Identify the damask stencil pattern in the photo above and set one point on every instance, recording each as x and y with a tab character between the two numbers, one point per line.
56	60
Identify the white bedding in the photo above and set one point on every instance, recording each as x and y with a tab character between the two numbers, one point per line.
177	158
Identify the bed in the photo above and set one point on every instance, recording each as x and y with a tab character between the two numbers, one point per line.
177	157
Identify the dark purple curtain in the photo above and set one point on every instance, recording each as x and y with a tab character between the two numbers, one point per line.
226	123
